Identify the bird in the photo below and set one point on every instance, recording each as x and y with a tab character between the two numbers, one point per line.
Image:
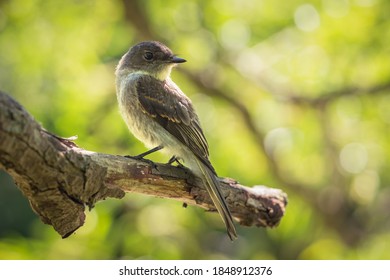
160	115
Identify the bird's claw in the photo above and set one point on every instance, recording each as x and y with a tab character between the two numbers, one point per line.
141	158
175	159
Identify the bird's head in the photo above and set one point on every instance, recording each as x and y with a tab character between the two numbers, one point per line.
151	58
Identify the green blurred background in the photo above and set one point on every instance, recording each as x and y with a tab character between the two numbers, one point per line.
291	94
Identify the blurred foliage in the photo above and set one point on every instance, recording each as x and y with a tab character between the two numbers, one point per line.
313	75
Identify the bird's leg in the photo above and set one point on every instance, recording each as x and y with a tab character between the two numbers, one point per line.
155	149
175	159
172	160
141	156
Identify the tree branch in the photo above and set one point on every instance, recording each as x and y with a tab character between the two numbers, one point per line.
326	97
60	179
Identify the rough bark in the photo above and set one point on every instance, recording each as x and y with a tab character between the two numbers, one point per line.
60	179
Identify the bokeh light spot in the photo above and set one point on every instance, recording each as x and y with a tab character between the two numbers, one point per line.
307	18
354	158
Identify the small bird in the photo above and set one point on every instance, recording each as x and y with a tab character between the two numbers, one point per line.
161	116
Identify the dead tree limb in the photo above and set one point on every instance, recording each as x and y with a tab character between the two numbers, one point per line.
60	179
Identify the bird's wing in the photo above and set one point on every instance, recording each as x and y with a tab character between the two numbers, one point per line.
168	106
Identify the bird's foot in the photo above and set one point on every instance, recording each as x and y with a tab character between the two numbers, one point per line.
141	158
143	155
173	160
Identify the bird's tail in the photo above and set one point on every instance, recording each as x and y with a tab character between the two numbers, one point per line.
211	183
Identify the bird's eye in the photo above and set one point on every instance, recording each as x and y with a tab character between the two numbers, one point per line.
148	56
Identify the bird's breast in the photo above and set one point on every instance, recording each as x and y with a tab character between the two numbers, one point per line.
140	124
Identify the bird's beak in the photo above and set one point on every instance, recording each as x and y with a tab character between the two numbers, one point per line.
176	59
